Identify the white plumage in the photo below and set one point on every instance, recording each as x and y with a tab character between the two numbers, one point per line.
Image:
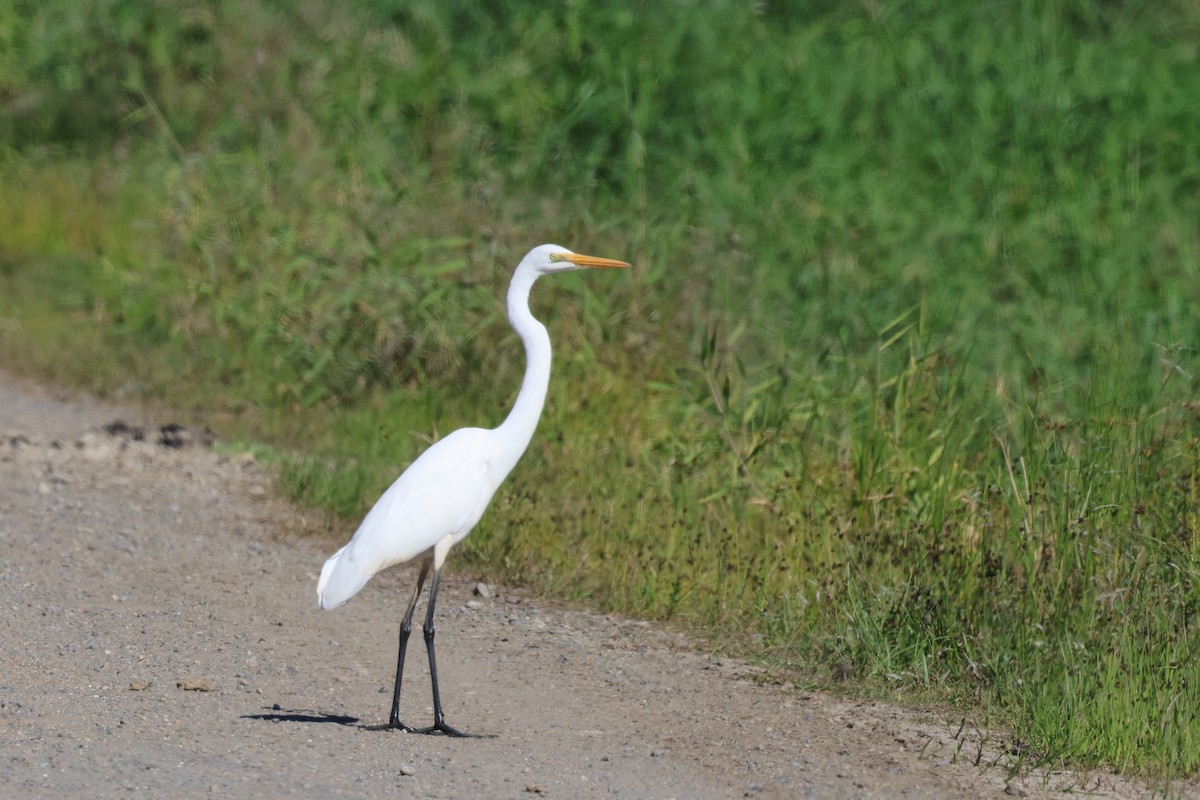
436	501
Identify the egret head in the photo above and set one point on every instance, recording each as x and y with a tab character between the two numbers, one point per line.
548	258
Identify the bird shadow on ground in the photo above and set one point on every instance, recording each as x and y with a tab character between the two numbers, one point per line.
279	714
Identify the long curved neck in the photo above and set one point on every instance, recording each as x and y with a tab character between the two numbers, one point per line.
517	429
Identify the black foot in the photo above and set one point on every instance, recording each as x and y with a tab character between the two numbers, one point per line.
442	729
394	725
434	730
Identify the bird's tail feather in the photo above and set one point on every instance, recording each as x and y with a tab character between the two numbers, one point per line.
340	580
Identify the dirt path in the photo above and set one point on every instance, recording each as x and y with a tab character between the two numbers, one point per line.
160	637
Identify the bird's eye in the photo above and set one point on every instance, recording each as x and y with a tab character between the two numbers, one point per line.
556	256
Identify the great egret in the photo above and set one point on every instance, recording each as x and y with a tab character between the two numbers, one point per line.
436	502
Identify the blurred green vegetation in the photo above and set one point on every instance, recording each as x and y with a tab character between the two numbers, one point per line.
903	382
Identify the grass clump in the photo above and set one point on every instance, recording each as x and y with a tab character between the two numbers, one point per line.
903	383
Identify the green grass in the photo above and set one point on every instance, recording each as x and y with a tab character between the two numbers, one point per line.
903	381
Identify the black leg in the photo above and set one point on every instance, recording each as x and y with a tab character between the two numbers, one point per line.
405	631
439	719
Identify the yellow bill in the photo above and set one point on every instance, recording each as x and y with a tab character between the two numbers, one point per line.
581	260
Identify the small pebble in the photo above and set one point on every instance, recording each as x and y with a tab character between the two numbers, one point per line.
483	590
1018	747
1013	790
407	771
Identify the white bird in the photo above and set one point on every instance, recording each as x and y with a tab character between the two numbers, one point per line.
436	502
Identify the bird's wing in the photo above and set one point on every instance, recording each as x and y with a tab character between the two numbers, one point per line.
442	494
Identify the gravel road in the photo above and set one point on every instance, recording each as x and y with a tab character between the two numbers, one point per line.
160	637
